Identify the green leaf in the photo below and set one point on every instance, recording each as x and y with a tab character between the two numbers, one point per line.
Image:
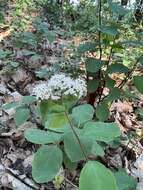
56	120
124	181
93	65
47	107
100	131
36	57
110	83
38	136
44	32
26	52
115	143
109	30
138	82
10	105
117	68
47	163
97	150
92	85
51	35
73	149
114	94
82	113
117	8
27	38
21	115
87	46
28	99
68	164
95	176
69	102
44	109
102	111
42	73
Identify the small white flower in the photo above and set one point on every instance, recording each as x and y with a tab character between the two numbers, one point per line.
60	85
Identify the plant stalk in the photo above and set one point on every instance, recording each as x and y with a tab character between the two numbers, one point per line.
77	137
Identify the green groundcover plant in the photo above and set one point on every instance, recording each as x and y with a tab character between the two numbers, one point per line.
71	135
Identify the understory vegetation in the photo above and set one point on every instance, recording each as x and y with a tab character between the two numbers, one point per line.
74	66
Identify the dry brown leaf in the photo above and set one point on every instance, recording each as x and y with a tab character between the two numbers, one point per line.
122	106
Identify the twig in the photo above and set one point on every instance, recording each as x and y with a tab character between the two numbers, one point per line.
18	178
129	75
68	181
77	137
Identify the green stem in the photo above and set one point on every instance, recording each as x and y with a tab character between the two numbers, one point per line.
77	137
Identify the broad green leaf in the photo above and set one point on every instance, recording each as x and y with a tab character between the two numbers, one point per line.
115	143
109	30
51	35
68	164
117	68
73	149
114	94
93	65
38	136
82	113
47	107
28	38
47	163
95	176
92	85
28	99
36	57
97	150
110	83
21	115
10	105
124	181
42	73
138	82
26	52
87	46
102	111
117	8
69	102
100	131
56	120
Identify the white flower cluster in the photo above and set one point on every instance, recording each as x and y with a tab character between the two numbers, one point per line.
60	85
